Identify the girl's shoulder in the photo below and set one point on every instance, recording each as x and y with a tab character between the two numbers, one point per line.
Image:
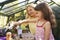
47	24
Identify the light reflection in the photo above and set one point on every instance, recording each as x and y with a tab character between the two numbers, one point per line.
2	1
57	1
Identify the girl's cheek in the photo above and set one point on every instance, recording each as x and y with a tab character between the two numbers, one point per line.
36	15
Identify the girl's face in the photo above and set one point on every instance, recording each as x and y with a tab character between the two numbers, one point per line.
31	11
39	14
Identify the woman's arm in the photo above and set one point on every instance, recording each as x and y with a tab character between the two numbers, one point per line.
47	29
25	21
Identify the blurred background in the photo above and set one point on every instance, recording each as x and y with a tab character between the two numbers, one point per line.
14	10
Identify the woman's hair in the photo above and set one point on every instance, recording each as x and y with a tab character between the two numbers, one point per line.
27	15
32	6
47	13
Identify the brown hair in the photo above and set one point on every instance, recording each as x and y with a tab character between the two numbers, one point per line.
47	13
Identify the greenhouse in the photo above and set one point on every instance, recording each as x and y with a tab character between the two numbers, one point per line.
15	10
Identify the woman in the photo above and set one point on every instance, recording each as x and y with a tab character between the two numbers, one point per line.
30	15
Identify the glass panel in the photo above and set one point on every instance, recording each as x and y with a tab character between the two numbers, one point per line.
31	1
57	1
3	21
2	1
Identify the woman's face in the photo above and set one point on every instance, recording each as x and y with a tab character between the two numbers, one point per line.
31	11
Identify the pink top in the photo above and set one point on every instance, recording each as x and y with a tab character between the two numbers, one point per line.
40	33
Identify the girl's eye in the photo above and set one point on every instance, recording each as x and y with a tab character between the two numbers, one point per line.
30	9
36	13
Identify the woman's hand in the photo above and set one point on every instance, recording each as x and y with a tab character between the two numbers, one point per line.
17	22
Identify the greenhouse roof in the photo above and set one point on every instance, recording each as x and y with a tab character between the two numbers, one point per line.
17	6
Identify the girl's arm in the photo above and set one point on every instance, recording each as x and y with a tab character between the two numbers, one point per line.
47	29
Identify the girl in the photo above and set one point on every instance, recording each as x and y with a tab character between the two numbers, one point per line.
44	22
